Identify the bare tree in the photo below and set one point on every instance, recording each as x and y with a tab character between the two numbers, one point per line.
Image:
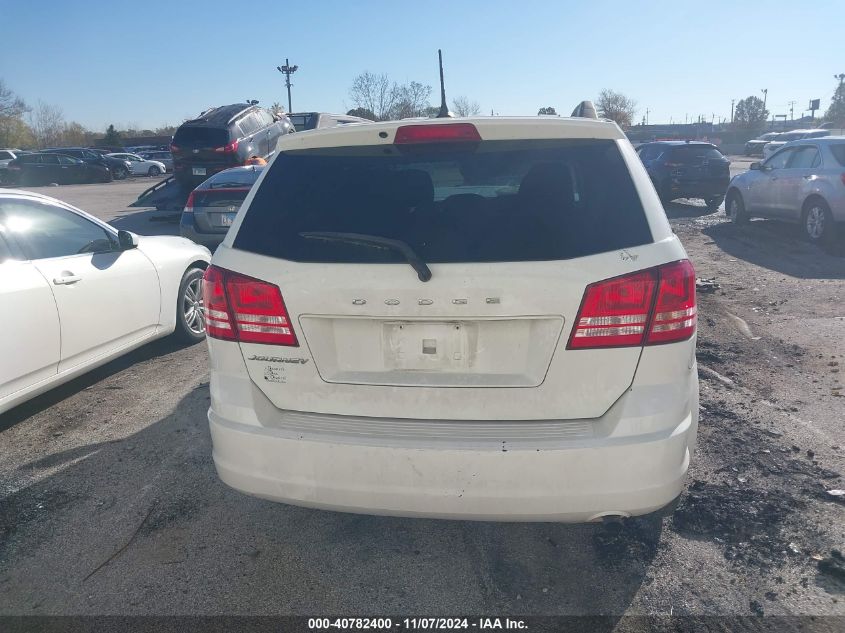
48	124
375	93
412	100
75	134
462	106
14	132
11	105
616	107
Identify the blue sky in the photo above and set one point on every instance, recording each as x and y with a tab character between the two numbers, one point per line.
150	63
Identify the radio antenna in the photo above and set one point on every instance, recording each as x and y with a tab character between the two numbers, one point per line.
444	108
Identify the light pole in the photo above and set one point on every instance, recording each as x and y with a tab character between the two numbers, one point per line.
288	70
732	109
765	92
840	77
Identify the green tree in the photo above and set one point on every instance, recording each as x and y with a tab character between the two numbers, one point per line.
836	111
750	113
548	110
112	138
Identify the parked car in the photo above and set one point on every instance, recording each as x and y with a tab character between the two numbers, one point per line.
141	166
211	208
687	169
224	137
79	293
7	155
803	182
754	147
317	120
482	318
163	157
119	168
787	137
44	168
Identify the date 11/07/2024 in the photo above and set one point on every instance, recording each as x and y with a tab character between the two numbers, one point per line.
415	624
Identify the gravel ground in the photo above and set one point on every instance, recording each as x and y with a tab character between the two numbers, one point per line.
109	503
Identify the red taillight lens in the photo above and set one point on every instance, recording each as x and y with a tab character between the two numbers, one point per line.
218	321
245	309
675	310
427	133
645	308
189	205
231	148
614	313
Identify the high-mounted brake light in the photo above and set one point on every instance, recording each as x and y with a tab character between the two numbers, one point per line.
649	307
437	133
240	308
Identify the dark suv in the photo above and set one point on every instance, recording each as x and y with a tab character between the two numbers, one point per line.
118	168
687	169
224	137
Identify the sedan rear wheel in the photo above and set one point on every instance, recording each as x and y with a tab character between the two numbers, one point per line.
190	313
817	221
154	171
121	173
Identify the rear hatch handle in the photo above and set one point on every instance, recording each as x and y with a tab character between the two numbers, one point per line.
374	241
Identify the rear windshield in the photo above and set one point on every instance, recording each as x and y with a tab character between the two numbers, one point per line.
236	178
489	202
201	136
838	152
695	153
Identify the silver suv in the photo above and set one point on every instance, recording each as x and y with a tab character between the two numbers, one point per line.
803	182
481	318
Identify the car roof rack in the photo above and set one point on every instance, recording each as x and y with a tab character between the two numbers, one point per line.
585	110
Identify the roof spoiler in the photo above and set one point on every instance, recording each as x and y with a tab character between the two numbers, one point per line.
585	110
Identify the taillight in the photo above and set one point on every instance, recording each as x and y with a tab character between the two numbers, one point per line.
240	308
189	205
218	321
674	314
231	148
648	307
174	148
438	133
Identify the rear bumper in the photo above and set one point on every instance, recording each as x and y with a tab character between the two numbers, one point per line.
189	230
575	484
631	461
698	188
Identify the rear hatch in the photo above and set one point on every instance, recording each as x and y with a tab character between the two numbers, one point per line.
698	163
333	319
198	151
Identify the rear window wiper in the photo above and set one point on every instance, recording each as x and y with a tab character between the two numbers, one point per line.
374	241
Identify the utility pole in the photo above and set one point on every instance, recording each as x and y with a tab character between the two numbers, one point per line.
288	70
792	110
732	109
765	92
646	115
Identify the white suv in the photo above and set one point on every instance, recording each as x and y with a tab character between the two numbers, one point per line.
484	318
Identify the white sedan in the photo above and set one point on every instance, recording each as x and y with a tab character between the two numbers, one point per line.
76	293
141	166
